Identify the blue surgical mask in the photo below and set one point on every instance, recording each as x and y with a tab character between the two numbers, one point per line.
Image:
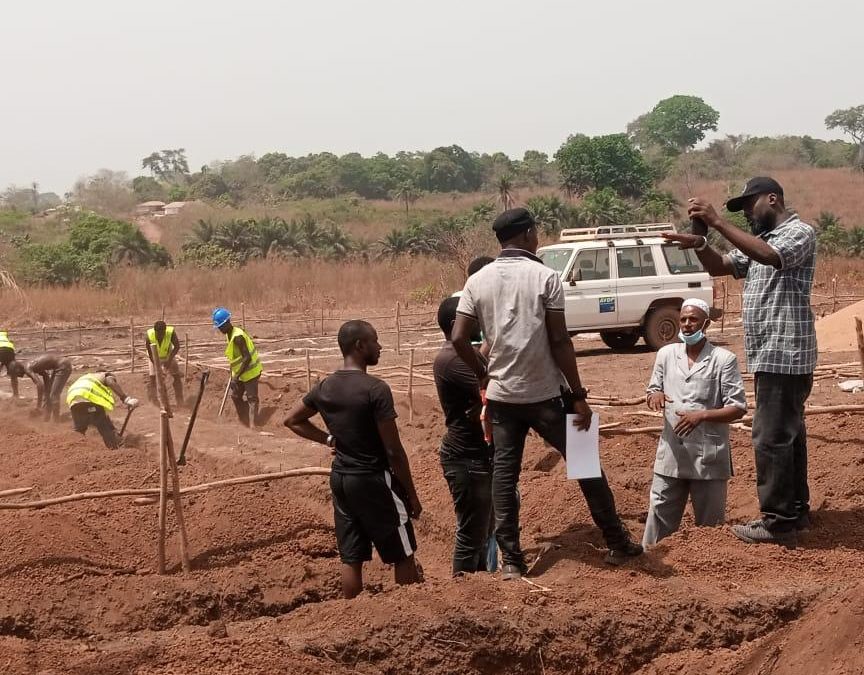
693	338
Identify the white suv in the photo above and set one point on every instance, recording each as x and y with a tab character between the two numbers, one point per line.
627	282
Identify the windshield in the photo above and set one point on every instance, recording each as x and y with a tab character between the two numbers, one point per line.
556	258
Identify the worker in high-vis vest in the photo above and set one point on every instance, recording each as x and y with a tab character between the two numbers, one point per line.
49	373
7	357
90	398
167	344
245	367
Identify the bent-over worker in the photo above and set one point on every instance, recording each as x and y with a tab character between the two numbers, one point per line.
90	398
245	365
49	373
167	344
699	388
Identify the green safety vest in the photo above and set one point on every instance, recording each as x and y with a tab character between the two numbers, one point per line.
235	358
5	341
162	348
91	389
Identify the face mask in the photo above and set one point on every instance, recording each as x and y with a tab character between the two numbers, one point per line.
693	338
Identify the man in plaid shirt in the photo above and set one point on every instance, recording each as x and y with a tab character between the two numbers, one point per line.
777	263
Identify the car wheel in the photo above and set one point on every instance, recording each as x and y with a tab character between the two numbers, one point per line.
661	327
618	339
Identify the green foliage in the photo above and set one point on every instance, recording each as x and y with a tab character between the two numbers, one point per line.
659	206
553	214
148	189
441	236
94	245
235	242
602	162
605	207
851	122
168	165
678	123
177	193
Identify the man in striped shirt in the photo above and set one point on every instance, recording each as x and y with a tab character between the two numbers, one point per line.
777	262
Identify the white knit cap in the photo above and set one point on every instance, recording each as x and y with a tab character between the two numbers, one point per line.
699	304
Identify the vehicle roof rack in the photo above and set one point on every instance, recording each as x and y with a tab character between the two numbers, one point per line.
615	231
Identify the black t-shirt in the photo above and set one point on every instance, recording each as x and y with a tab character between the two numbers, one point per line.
352	403
459	395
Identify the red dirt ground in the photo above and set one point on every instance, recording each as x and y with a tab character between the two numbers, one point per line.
78	592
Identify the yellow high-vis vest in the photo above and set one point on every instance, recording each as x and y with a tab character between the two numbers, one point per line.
162	348
91	389
235	358
5	341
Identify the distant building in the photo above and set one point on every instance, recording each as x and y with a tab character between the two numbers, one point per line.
174	208
150	209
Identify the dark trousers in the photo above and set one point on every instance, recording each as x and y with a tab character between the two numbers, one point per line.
250	391
780	445
53	390
510	425
85	415
470	483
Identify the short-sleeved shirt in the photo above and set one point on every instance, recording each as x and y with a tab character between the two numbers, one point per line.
779	331
459	394
714	381
509	298
352	403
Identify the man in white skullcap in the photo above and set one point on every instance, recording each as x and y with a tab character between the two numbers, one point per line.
699	389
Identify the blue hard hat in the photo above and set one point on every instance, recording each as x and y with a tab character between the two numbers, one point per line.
220	316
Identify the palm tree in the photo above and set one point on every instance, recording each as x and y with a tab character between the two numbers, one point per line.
203	232
407	193
236	236
504	187
604	207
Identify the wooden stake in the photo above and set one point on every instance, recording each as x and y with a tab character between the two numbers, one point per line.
163	490
725	306
186	365
163	312
860	334
243	313
323	332
175	495
398	329
80	338
132	343
833	294
411	386
44	340
308	371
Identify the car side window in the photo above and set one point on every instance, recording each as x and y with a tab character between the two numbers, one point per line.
591	264
635	261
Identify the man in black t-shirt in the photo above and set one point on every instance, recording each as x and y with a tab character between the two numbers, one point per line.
466	458
373	493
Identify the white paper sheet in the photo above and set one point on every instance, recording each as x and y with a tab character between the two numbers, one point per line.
583	449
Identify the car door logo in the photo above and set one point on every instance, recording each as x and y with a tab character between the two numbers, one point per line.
607	305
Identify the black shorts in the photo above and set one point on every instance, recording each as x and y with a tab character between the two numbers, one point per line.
371	509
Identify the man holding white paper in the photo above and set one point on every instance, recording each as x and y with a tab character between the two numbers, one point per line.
534	383
699	389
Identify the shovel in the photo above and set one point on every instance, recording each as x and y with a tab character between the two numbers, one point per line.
181	460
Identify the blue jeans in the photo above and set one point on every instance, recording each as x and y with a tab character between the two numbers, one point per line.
510	425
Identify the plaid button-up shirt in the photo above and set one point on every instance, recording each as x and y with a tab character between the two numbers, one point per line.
779	335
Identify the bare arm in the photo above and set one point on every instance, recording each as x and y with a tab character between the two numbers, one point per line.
399	463
111	381
753	247
175	347
714	262
463	329
299	421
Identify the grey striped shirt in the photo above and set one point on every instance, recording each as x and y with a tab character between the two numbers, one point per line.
779	335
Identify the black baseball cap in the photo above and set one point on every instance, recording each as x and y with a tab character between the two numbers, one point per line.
760	185
512	223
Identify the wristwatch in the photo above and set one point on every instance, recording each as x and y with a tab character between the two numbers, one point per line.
579	394
704	245
331	442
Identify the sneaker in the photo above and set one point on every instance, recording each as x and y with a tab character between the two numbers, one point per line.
755	532
511	573
618	556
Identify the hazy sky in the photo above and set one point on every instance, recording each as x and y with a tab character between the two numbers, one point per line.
95	83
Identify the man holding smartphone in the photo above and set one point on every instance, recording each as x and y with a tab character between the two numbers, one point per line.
533	379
